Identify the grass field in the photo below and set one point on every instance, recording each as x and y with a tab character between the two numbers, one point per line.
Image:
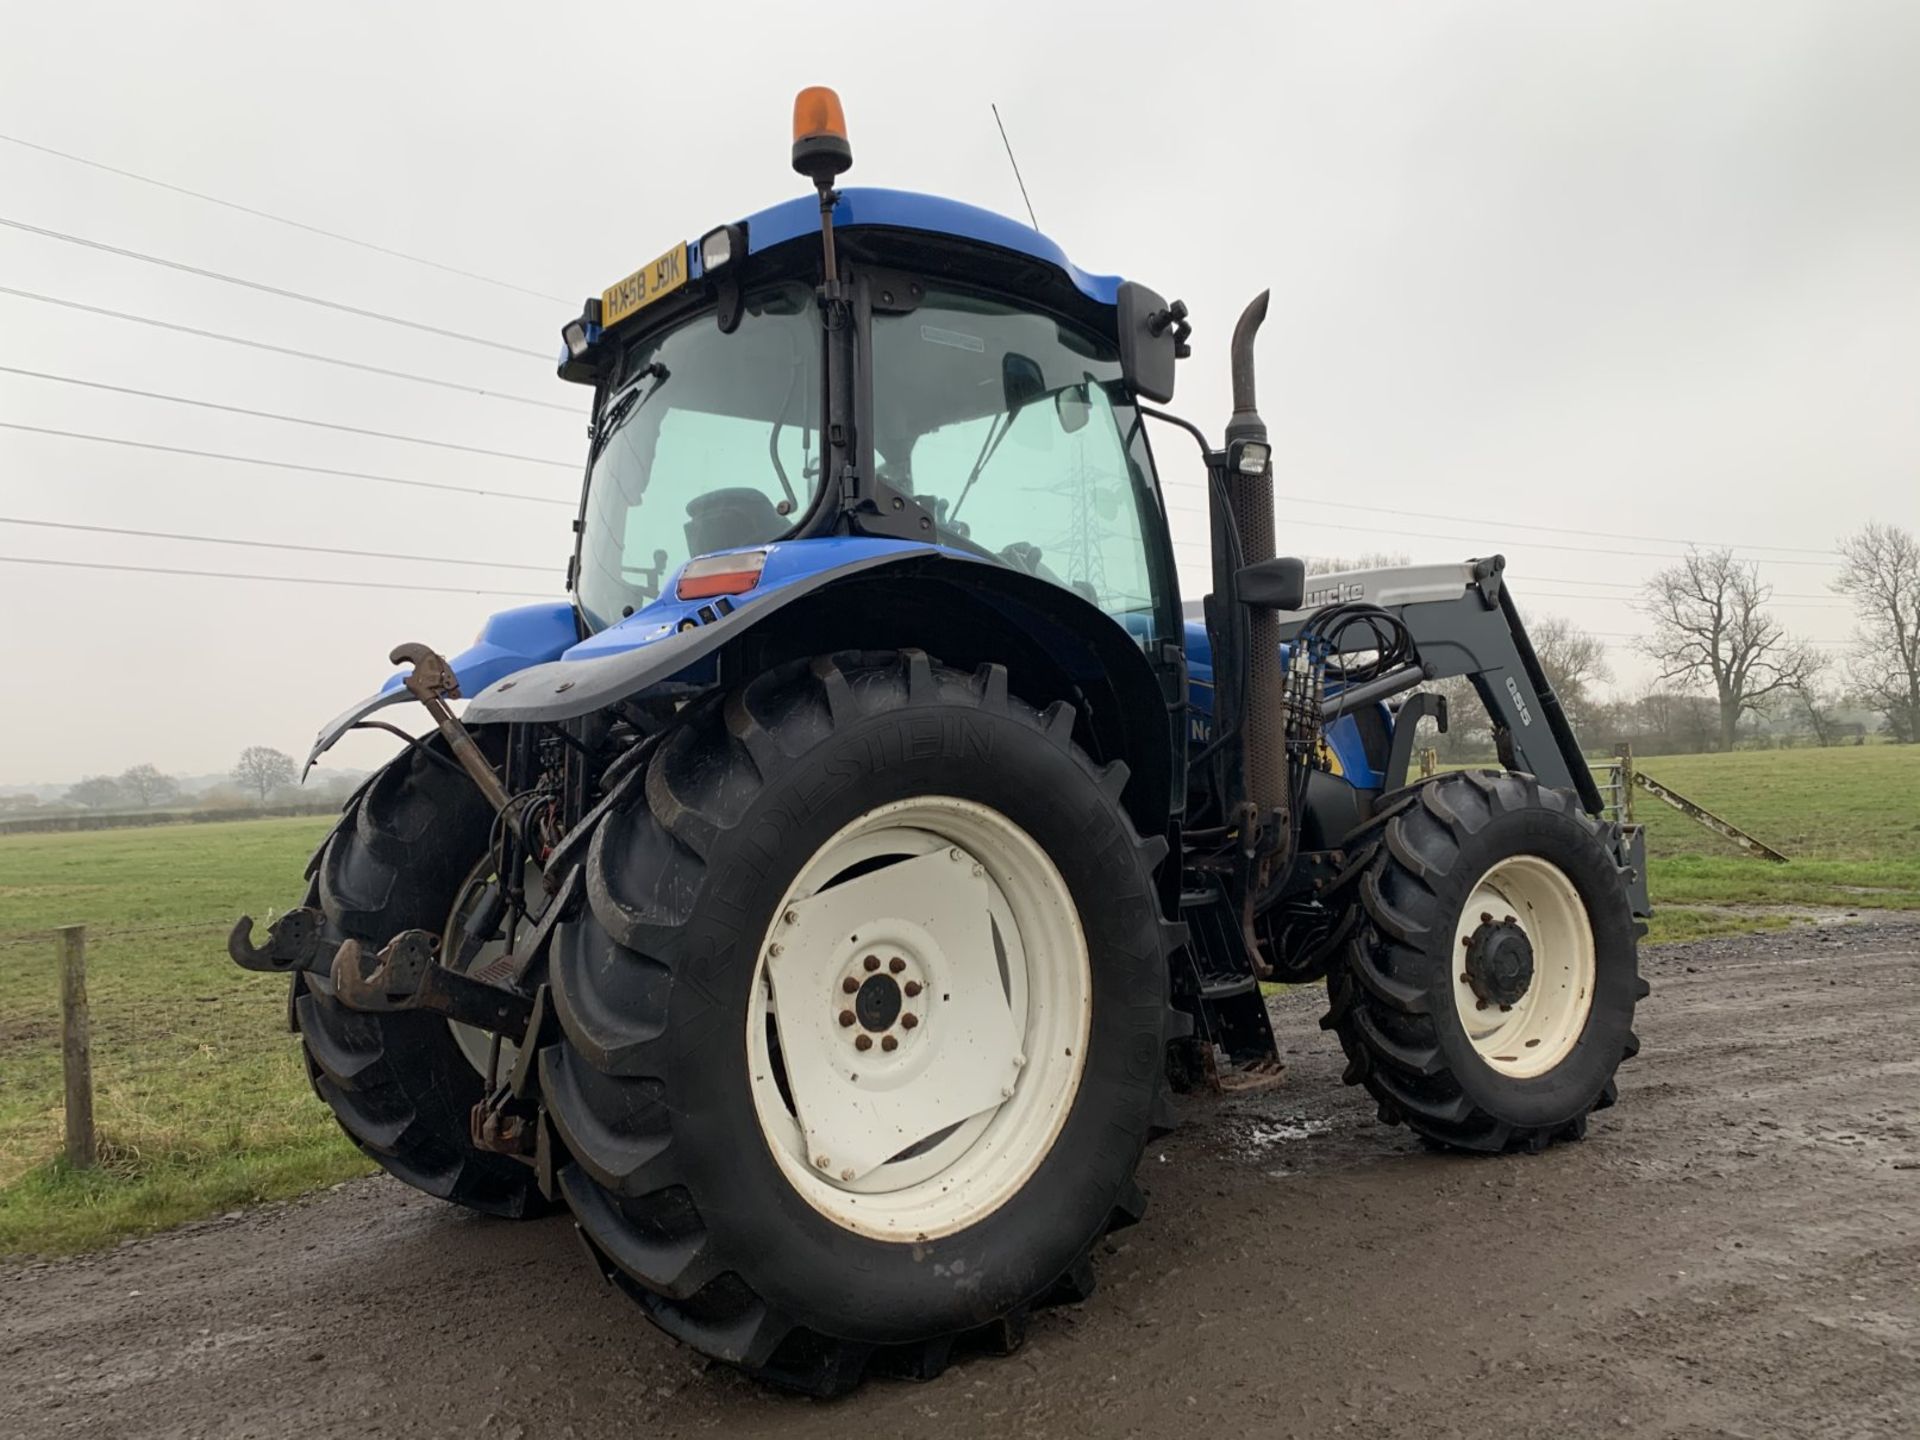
1849	817
202	1104
199	1095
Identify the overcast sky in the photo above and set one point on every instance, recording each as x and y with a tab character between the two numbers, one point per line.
1643	268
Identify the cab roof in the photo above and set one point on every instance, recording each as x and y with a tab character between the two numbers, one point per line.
861	206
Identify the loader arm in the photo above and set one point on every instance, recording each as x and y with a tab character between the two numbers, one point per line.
1464	622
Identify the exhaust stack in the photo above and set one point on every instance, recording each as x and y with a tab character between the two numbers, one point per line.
1249	494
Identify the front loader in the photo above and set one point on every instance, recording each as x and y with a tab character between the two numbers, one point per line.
821	901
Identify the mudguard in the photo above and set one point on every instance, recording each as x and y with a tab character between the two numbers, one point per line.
627	658
508	642
530	635
861	592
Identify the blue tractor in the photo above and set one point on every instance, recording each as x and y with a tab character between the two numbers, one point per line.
821	901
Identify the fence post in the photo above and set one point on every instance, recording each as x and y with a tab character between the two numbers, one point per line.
1625	751
76	1052
1429	760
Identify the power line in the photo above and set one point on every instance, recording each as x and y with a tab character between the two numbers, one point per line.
280	219
270	289
1632	635
285	350
282	464
270	579
1514	543
1626	600
1555	529
1528	525
1633	585
271	545
289	419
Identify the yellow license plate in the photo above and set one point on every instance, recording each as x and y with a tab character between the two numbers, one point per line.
643	287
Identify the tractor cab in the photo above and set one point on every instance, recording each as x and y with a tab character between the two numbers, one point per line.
955	383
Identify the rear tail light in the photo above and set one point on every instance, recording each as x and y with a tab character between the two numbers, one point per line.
712	575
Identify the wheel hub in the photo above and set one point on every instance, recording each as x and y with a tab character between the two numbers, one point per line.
881	997
877	1005
1500	962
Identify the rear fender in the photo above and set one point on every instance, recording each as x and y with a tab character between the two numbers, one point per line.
1055	645
509	642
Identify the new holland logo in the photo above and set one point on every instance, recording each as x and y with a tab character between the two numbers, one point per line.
1513	689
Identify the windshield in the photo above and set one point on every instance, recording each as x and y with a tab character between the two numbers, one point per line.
1016	431
707	441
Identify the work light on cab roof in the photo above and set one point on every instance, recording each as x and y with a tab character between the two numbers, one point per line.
821	152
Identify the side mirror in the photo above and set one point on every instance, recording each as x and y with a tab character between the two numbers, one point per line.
1073	407
1148	345
1276	584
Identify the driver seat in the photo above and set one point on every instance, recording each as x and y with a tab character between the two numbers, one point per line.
732	517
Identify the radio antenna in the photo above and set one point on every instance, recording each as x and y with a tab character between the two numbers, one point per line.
1014	163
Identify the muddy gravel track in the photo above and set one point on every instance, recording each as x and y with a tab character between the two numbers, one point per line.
1735	1251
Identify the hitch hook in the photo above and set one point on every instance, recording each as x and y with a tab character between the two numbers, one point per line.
293	943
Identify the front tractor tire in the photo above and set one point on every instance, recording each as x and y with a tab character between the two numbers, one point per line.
399	1082
864	1026
1486	996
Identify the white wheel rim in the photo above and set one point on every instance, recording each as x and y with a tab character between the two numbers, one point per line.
971	923
1540	1028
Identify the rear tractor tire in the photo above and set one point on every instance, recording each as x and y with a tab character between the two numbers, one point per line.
864	1025
1486	996
401	1084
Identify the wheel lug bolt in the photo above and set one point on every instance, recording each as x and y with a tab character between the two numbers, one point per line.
821	1162
1465	979
1478	1005
850	985
1505	1008
863	1042
847	1174
846	1018
872	963
1486	917
909	1020
1466	941
896	965
911	988
887	1042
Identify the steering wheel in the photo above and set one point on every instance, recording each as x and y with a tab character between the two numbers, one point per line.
1024	555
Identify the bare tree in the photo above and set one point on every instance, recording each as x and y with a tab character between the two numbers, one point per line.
96	792
1820	706
1575	663
1882	578
146	786
1711	630
263	770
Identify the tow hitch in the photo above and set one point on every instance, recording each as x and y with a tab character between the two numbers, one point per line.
406	975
